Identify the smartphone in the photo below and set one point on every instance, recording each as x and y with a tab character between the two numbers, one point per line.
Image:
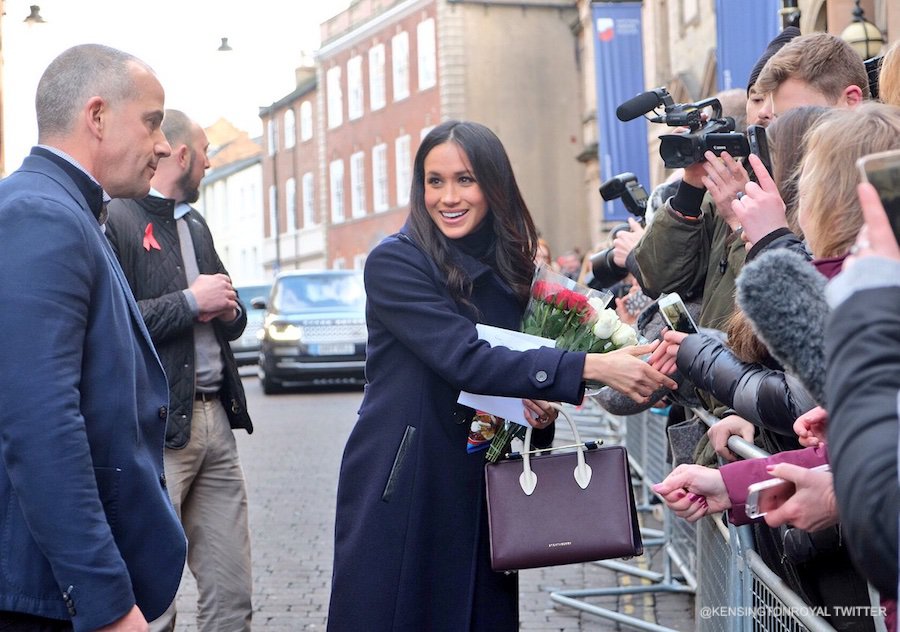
756	137
676	314
882	171
765	496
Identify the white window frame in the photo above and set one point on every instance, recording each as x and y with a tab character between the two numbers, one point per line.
400	65
309	199
272	129
358	184
426	54
273	211
380	201
377	97
290	129
359	261
424	132
290	199
402	168
354	88
336	190
306	121
335	97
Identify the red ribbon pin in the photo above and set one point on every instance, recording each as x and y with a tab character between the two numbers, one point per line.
149	239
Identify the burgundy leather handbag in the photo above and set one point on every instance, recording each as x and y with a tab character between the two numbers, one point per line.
566	508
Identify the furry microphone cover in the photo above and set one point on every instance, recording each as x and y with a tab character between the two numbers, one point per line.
783	295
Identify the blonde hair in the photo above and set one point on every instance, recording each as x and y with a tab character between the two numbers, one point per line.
889	76
823	61
828	177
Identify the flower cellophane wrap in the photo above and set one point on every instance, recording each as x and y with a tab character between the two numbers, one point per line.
577	318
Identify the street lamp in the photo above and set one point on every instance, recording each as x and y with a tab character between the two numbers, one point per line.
865	38
35	16
224	47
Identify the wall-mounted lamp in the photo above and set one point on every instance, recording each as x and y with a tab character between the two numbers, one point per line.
224	46
865	38
35	16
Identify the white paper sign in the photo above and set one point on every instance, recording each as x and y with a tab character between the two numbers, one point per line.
510	408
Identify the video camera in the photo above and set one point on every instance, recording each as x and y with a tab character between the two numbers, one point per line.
681	150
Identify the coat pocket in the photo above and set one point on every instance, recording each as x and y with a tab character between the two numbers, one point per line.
406	444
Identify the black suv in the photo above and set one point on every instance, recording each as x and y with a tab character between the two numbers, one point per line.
314	330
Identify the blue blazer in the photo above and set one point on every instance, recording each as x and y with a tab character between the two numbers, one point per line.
87	526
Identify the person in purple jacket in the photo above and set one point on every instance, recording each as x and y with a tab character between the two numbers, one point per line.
693	491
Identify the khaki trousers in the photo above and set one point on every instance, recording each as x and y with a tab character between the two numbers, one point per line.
206	484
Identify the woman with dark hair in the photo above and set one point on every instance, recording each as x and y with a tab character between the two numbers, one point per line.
411	534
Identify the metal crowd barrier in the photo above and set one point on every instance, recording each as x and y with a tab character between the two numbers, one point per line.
734	590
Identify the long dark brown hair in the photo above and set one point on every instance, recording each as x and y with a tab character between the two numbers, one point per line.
514	231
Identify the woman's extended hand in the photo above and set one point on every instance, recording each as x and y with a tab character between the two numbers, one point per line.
625	371
692	491
539	413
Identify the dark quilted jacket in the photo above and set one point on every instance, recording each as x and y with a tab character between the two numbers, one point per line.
157	279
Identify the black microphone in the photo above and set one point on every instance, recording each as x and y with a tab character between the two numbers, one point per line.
638	106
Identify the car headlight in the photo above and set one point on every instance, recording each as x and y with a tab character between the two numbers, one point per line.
284	332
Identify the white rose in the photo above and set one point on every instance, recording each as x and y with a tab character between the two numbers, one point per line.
606	324
624	336
597	303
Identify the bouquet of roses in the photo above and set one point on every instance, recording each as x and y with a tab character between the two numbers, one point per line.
577	318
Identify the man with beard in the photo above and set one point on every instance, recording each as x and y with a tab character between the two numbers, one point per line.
191	309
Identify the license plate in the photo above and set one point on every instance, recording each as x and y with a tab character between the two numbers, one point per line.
347	348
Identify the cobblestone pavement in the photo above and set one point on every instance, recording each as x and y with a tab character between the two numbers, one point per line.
291	463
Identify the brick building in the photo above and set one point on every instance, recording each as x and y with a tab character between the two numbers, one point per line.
388	71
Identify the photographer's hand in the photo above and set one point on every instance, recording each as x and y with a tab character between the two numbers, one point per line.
725	178
625	242
760	210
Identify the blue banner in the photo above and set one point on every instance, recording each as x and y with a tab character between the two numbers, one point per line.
619	64
743	30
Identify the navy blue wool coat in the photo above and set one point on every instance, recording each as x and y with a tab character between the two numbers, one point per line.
411	538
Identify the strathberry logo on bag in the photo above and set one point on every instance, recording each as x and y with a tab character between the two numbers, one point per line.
555	544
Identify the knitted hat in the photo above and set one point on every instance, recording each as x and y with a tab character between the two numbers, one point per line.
774	46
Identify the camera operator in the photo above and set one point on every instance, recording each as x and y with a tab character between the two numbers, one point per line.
691	247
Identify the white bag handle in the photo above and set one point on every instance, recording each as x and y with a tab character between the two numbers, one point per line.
528	479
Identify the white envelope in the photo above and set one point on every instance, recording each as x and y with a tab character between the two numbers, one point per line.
510	408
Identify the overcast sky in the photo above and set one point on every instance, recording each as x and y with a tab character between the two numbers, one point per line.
178	38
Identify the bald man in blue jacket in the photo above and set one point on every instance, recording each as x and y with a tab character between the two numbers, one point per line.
89	538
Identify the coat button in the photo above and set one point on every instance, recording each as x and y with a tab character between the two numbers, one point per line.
163	412
162	480
541	376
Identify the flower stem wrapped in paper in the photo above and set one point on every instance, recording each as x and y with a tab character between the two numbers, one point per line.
577	318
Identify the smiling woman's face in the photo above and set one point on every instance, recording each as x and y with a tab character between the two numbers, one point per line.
452	196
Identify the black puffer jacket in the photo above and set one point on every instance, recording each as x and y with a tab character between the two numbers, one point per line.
766	397
157	278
